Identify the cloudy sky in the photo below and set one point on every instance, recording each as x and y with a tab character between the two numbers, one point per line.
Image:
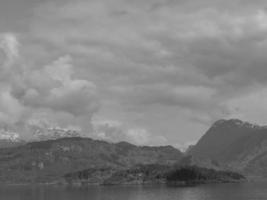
150	72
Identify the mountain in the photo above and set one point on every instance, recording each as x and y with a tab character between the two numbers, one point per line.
47	161
237	144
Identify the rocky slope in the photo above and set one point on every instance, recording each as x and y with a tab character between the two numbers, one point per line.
47	161
239	145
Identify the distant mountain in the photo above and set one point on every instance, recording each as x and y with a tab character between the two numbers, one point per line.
47	161
240	145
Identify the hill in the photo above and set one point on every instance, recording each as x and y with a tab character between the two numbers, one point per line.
152	174
47	161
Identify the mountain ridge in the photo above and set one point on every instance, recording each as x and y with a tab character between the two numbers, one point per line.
240	145
49	160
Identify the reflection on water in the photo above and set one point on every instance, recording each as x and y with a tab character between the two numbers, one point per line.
244	191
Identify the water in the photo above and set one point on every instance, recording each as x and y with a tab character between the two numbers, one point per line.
244	191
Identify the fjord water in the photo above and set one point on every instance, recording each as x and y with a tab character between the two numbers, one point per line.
237	191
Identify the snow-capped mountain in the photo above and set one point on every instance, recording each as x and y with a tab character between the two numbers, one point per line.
53	133
9	139
9	135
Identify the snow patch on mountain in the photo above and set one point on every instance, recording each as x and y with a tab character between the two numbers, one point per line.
9	135
53	133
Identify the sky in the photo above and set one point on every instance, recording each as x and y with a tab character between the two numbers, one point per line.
152	72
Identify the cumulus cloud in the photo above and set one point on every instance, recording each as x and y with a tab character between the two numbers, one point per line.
43	92
9	47
11	109
115	131
57	89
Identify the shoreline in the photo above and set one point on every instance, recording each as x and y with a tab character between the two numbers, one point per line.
170	184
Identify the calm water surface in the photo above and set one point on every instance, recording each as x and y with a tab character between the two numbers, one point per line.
242	191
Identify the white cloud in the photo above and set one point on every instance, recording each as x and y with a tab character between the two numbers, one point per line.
115	131
138	136
143	137
49	92
252	107
184	146
9	45
10	108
